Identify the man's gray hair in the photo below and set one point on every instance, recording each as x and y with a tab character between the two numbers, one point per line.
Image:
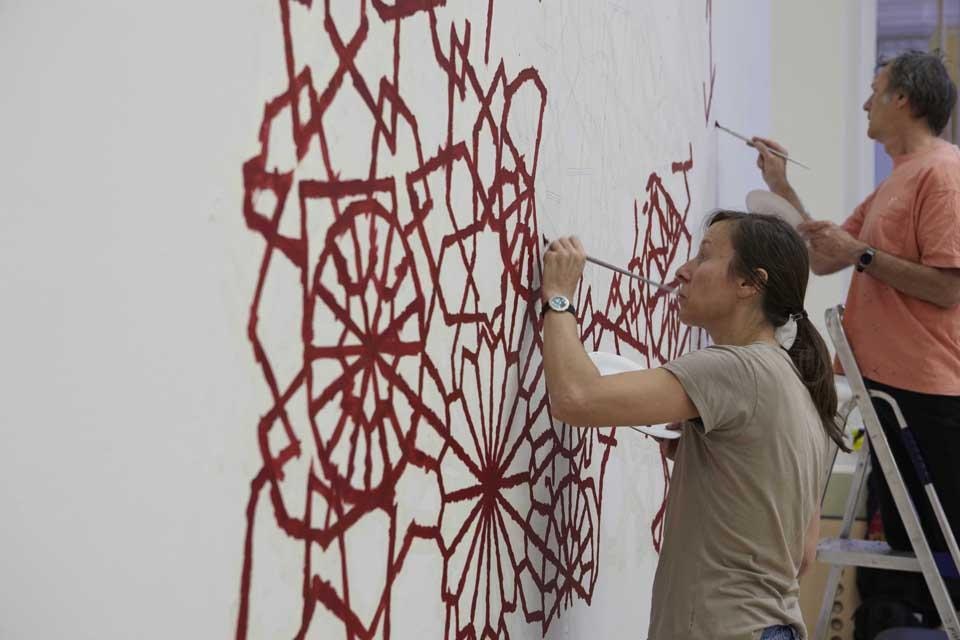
923	79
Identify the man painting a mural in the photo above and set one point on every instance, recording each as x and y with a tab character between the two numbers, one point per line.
903	241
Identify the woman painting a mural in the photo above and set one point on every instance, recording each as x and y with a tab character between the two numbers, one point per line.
758	407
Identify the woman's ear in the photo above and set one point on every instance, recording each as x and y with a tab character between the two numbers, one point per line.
750	288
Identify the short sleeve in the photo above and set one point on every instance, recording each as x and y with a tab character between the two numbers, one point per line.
938	229
854	223
722	384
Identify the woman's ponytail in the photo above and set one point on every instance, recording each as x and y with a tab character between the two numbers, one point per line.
809	354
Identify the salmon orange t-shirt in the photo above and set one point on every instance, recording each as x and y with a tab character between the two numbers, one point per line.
914	214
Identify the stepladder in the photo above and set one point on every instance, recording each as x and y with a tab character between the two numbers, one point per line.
843	551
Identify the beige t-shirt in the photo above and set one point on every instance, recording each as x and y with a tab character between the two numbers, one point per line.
745	484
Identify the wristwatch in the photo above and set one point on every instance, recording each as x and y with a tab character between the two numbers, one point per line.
559	304
866	258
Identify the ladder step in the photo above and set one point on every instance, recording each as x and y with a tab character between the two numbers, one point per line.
865	553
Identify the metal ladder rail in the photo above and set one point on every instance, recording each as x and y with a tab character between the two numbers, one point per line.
849	515
909	442
916	458
923	559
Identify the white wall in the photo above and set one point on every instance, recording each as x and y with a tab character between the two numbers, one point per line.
821	68
801	71
131	394
125	375
742	44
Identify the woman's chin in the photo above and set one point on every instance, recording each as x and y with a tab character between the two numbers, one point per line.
688	318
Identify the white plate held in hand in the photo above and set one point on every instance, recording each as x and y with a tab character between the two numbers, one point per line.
760	201
611	363
660	431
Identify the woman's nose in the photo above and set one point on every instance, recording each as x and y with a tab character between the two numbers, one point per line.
683	273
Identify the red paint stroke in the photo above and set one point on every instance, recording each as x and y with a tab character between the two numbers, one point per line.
416	342
643	319
708	100
486	49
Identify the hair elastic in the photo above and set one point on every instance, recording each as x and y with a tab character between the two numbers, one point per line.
786	334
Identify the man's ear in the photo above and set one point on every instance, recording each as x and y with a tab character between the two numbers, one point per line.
749	288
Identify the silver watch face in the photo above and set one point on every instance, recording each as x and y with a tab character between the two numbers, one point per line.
558	303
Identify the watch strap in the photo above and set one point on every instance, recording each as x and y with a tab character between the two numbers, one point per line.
546	307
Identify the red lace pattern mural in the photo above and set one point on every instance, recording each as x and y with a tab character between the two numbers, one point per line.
416	330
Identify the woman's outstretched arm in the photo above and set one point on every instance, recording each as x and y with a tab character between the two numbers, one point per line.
579	395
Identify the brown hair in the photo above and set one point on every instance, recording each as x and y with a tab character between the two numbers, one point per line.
768	243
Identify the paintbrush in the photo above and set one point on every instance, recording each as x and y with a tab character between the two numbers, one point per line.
750	143
652	283
607	265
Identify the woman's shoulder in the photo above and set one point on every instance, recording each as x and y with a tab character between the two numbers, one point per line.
769	364
718	353
738	364
771	358
746	352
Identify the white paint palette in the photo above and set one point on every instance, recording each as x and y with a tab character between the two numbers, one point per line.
761	201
